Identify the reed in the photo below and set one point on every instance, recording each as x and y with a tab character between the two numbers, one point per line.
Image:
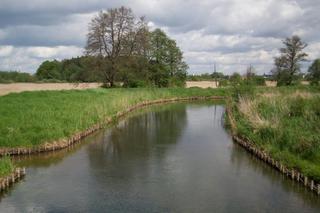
30	119
285	123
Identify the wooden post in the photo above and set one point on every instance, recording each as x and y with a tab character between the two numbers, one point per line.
292	174
298	177
305	180
311	185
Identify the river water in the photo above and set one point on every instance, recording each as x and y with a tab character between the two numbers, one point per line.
169	158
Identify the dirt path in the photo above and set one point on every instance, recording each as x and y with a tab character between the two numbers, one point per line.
201	84
21	87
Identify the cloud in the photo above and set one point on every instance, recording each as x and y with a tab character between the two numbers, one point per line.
232	33
27	59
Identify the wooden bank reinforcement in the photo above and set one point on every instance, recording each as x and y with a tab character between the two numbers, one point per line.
64	143
264	156
15	176
18	173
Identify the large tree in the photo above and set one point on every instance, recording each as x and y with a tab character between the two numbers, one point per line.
115	34
314	72
287	65
166	60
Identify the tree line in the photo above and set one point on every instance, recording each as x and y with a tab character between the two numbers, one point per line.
121	48
286	71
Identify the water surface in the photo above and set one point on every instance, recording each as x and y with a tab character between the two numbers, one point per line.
169	158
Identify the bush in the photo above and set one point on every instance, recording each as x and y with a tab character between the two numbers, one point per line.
135	83
223	83
247	90
259	80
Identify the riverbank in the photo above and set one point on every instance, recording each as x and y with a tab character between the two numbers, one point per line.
9	174
282	124
41	119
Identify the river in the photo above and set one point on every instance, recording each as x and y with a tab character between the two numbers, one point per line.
166	158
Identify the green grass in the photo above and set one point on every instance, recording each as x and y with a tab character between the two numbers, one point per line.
6	166
286	123
32	118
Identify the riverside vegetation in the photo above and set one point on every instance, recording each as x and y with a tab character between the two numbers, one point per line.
284	122
30	119
6	166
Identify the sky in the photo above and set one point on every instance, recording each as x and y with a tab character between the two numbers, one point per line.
231	33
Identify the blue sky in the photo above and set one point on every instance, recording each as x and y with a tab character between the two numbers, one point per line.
232	33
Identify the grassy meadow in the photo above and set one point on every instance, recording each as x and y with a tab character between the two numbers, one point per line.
32	118
286	123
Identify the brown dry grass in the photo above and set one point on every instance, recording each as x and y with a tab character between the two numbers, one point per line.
21	87
249	108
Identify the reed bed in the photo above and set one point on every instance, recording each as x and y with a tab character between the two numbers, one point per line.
30	119
285	122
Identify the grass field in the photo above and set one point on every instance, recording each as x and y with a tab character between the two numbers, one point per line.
286	123
32	118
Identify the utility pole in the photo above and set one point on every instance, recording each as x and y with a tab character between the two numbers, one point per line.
215	74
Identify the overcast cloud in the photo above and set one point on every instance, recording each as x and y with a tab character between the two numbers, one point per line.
232	33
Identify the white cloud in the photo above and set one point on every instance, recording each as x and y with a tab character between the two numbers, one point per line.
233	33
28	59
5	50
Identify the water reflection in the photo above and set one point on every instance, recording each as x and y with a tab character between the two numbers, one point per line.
168	158
283	185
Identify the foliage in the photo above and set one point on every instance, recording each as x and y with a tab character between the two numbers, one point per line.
314	72
235	79
287	65
6	166
50	70
253	79
32	118
223	83
69	70
127	51
166	60
114	34
207	77
10	77
284	122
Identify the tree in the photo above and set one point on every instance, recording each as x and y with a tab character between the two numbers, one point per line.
113	34
235	78
287	65
314	72
49	70
166	60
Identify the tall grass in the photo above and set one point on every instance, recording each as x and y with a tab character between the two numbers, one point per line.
6	166
286	123
32	118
